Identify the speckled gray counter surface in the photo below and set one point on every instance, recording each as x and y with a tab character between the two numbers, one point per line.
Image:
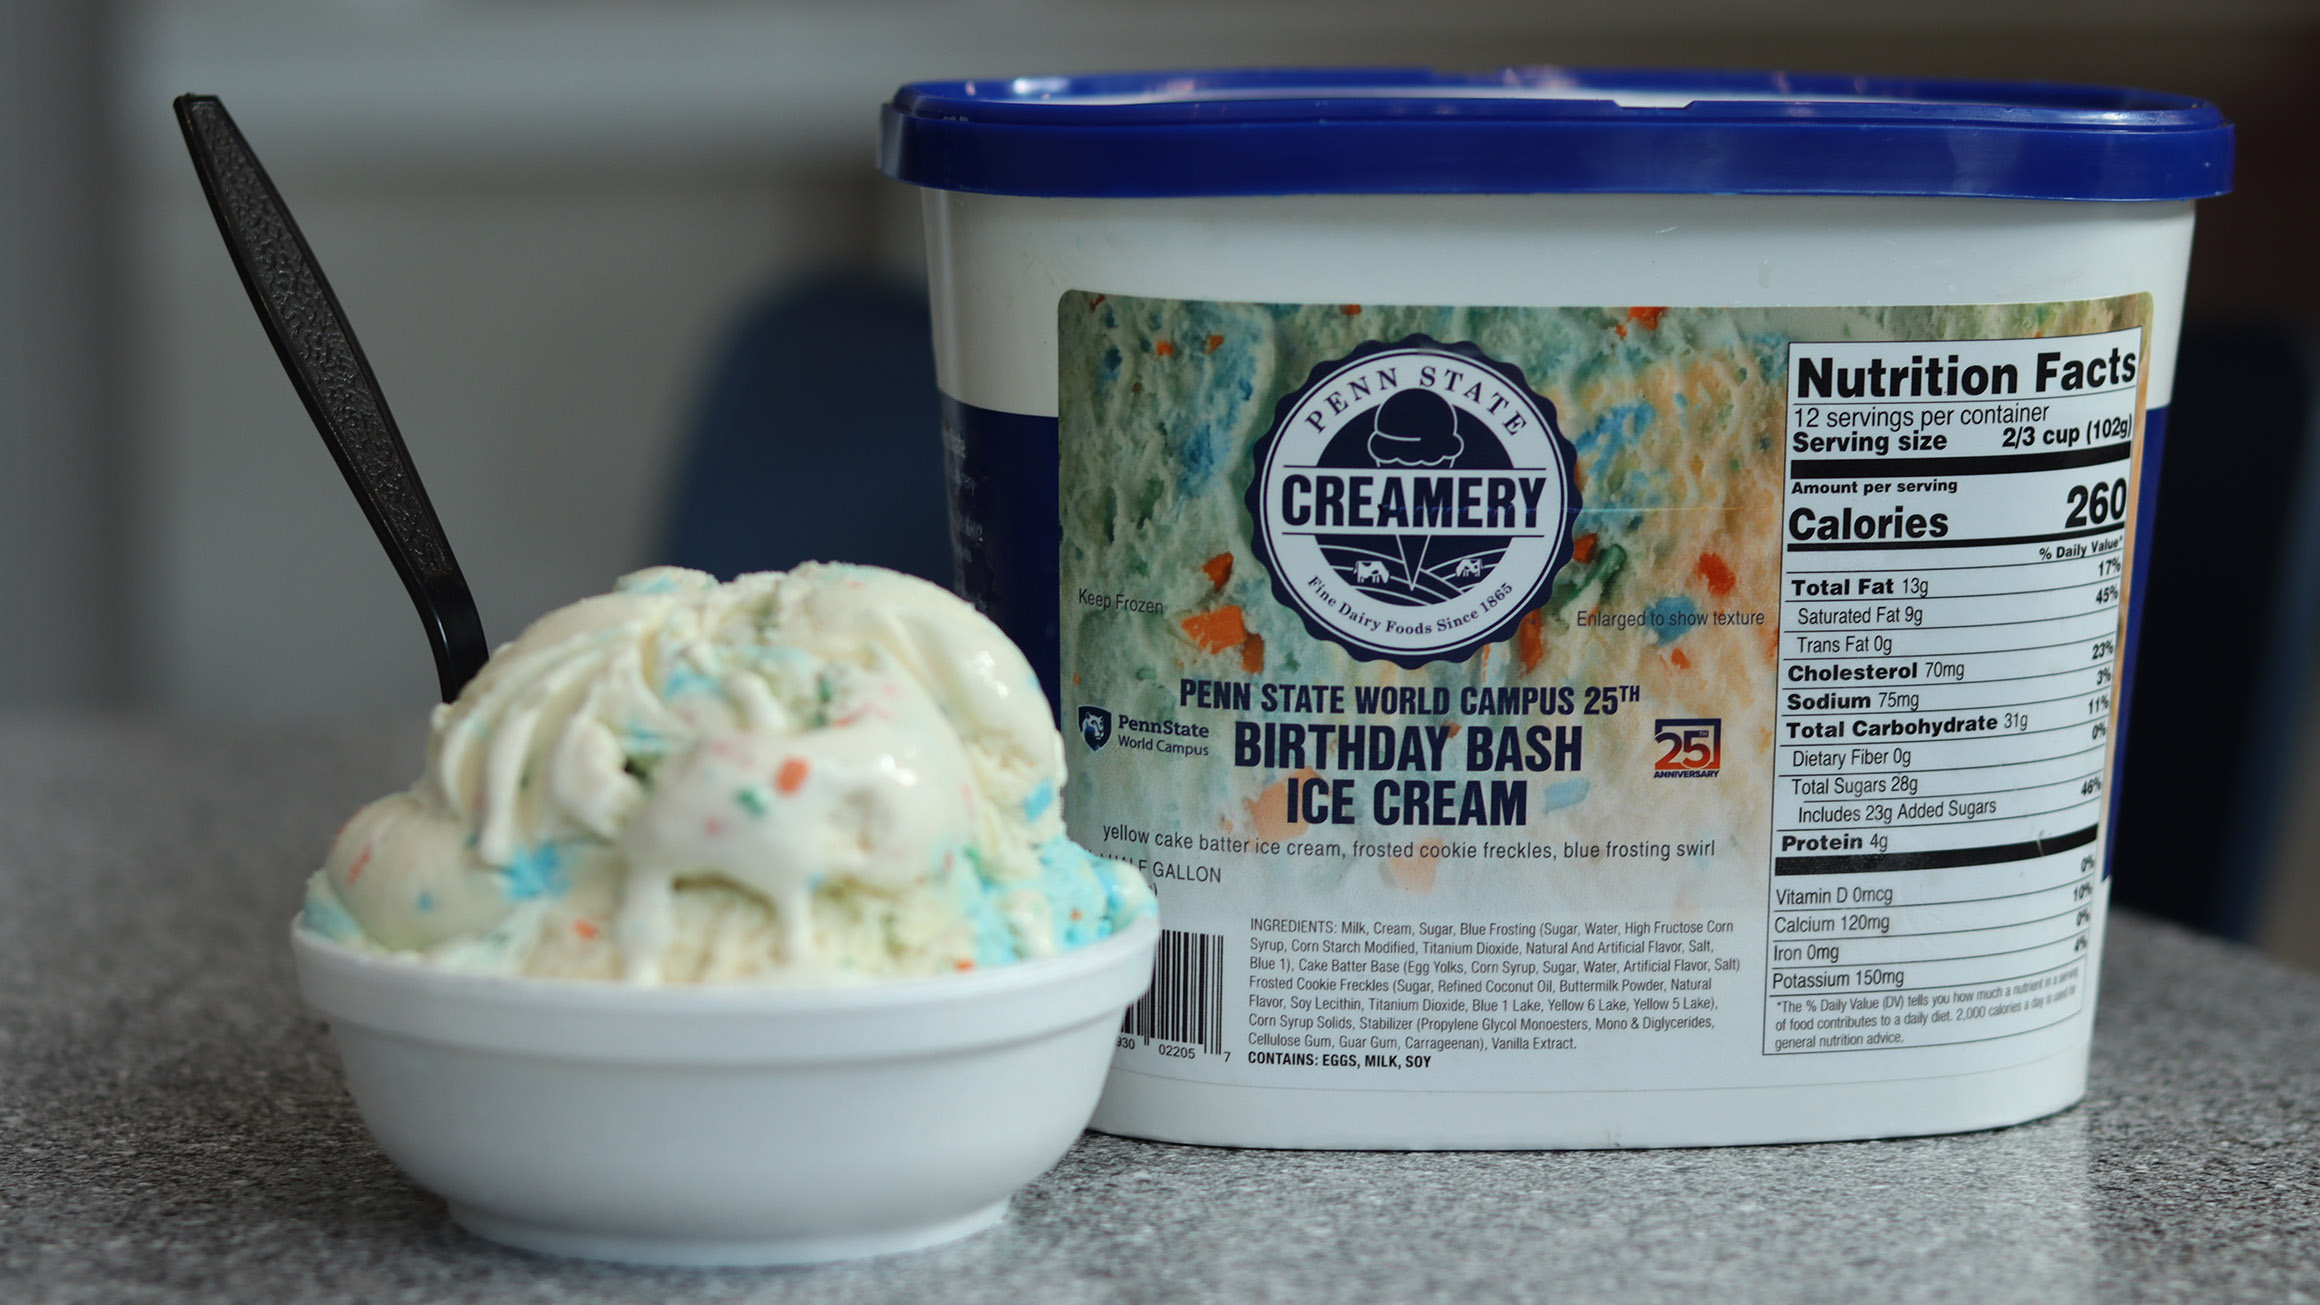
173	1127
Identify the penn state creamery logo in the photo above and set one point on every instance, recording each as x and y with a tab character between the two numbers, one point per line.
1413	501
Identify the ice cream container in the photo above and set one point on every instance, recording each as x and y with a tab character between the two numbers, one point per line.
1603	603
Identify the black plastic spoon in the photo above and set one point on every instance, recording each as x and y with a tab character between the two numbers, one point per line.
326	366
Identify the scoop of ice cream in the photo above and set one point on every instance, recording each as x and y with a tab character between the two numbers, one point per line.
835	772
1415	428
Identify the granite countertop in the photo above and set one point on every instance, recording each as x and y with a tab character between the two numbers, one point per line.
173	1126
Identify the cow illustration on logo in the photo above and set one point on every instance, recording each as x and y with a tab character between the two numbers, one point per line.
1095	726
1413	500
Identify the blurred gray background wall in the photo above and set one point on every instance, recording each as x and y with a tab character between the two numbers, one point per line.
64	453
540	214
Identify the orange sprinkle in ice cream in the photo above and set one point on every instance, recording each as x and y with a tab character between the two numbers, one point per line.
1530	640
1718	575
792	776
1218	569
1218	630
1253	654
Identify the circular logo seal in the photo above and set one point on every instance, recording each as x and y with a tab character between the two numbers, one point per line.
1413	501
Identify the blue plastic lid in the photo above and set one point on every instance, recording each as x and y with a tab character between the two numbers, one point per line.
1550	130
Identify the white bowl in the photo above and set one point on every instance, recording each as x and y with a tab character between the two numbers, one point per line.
725	1125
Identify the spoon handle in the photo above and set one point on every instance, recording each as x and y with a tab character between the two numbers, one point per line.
327	367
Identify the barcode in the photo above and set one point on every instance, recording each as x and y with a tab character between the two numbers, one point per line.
1186	1000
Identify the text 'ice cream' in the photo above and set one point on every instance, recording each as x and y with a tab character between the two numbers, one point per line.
815	776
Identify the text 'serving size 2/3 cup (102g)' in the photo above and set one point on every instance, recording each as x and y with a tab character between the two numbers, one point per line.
1603	605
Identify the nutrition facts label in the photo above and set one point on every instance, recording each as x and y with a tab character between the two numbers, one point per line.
1954	555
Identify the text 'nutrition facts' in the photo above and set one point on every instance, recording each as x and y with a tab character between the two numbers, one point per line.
1953	567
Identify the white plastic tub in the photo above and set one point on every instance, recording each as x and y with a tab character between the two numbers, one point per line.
1694	475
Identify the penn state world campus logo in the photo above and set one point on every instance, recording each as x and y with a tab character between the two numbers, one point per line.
1413	501
1095	726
